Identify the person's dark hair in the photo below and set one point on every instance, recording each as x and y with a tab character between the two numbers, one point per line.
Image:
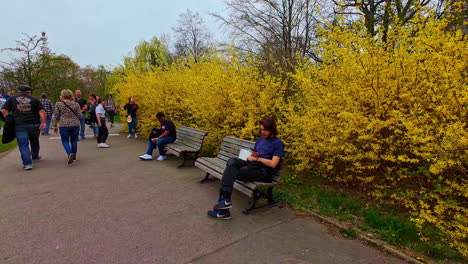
110	96
130	99
100	100
93	96
44	95
160	114
270	125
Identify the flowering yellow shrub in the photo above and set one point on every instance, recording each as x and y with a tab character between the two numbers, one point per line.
387	118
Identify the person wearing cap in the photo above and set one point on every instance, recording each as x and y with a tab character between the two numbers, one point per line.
160	137
30	118
49	109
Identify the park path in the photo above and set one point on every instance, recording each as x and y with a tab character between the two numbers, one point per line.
110	207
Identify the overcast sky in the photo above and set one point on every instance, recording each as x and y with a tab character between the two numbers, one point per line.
94	32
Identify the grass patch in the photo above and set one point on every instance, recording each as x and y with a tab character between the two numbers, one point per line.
6	147
349	232
385	222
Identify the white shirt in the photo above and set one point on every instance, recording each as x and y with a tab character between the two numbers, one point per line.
100	110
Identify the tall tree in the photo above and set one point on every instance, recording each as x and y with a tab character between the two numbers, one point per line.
281	30
149	54
192	37
28	64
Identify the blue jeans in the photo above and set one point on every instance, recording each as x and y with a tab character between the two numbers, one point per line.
47	128
132	126
82	127
160	144
69	137
24	135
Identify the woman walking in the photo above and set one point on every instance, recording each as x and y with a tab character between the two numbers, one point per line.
101	120
132	109
68	114
110	108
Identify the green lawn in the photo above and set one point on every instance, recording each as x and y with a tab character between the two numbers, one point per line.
6	147
385	222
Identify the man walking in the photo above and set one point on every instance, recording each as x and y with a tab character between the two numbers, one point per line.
84	107
49	109
30	118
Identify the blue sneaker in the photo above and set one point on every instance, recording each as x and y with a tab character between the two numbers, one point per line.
223	203
219	214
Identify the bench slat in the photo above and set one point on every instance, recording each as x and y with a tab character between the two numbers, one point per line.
189	138
190	130
239	146
188	134
178	148
218	164
211	171
196	147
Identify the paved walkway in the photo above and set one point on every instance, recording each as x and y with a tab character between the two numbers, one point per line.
112	208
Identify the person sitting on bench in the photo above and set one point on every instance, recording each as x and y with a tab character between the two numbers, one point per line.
160	137
260	166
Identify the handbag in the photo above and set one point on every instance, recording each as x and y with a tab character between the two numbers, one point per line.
9	131
129	119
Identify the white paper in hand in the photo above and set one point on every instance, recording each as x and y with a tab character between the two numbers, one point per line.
244	154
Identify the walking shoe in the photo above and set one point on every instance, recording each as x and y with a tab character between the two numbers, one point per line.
219	214
27	167
136	136
103	145
146	157
71	158
37	159
162	157
223	203
129	136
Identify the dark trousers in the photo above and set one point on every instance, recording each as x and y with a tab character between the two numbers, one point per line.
237	169
111	116
103	132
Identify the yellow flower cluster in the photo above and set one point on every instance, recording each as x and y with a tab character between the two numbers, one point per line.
388	118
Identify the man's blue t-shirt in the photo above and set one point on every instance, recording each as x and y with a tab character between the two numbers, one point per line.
269	147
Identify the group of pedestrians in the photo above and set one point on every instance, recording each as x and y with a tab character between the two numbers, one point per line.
31	115
69	117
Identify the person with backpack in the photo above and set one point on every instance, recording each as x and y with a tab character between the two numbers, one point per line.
92	104
110	108
84	107
49	108
68	114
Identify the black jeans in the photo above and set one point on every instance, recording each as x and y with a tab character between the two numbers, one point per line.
103	132
237	169
111	116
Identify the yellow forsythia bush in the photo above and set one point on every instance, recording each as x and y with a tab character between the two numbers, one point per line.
387	118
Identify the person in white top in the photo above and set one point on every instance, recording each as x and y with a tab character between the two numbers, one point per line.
101	120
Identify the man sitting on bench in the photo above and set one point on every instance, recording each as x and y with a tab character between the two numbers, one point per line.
160	137
259	166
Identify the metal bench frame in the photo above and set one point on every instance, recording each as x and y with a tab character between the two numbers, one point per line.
188	143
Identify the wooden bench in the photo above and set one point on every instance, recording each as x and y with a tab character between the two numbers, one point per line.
188	143
230	147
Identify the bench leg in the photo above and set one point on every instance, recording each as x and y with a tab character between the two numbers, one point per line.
257	195
207	179
252	205
188	162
